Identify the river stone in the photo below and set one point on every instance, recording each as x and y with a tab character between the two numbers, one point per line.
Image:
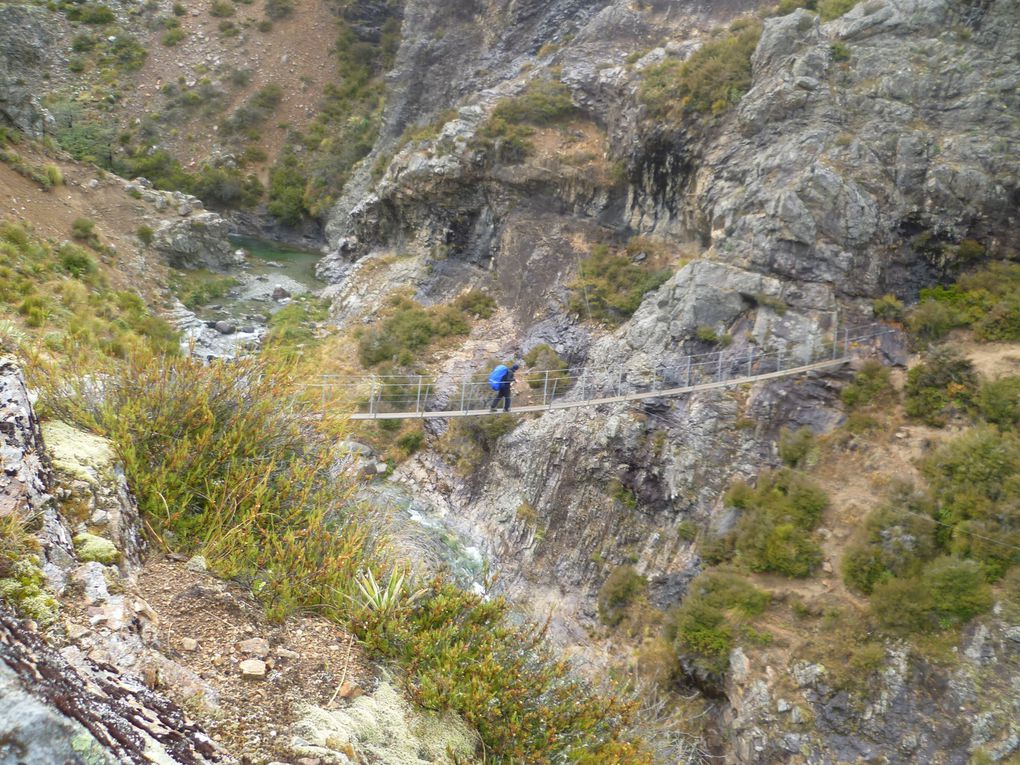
225	327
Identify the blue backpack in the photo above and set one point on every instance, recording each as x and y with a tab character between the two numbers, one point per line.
497	376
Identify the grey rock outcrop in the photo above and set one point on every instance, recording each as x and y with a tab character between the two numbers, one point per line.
198	241
51	713
26	51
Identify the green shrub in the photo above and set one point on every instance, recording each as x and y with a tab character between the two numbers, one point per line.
83	229
255	110
894	541
833	9
888	308
931	321
287	185
279	9
706	625
197	288
998	402
471	441
871	385
986	299
179	9
610	286
544	102
173	36
840	52
124	52
407	328
902	605
797	448
774	532
411	442
76	261
508	143
976	480
145	233
292	327
944	383
543	358
221	9
1002	322
475	303
98	15
622	587
226	187
712	80
958	589
948	592
83	43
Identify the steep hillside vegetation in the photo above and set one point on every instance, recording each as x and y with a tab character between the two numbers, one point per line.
806	570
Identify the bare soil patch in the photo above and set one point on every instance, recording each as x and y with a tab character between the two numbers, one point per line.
309	657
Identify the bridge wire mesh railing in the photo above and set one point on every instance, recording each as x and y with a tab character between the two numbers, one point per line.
415	395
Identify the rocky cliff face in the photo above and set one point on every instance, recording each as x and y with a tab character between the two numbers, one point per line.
26	55
866	150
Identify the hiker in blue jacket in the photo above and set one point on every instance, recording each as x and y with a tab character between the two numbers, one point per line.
500	380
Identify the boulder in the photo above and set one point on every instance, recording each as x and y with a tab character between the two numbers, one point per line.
198	241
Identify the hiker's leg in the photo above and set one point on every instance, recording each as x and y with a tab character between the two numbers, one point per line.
506	395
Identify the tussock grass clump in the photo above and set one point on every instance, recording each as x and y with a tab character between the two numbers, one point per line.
712	80
609	286
61	290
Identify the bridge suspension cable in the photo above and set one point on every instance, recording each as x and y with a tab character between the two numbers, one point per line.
408	396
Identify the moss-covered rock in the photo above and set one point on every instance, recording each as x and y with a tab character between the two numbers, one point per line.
90	547
80	455
384	728
24	591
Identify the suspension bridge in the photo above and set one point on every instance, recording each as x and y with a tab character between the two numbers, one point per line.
396	397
